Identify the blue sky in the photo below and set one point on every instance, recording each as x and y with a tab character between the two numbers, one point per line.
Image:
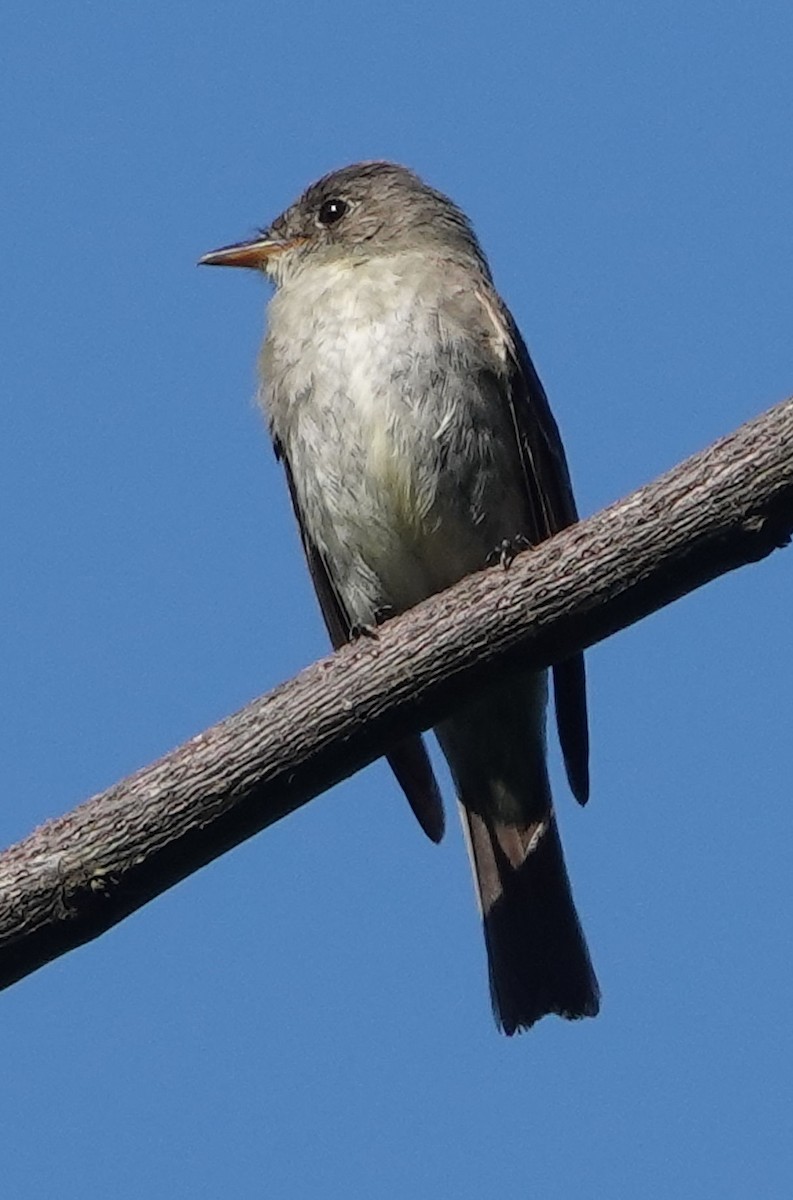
308	1016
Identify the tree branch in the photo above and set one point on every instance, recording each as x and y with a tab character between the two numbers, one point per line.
77	876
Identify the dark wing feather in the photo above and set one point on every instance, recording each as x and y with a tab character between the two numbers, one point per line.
336	619
553	508
408	759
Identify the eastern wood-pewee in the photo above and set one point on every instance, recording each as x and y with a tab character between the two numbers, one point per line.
417	440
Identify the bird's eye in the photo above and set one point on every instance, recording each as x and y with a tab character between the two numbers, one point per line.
331	211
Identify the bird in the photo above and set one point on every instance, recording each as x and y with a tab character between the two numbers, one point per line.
417	441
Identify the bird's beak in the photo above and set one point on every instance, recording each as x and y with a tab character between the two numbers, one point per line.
246	254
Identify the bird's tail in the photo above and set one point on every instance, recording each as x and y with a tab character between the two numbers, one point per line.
537	955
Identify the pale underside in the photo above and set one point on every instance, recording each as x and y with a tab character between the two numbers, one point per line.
405	464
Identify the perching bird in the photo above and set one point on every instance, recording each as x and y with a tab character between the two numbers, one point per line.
417	440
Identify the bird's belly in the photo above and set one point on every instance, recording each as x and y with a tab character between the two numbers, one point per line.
403	461
398	510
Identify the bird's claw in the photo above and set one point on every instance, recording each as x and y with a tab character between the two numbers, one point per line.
362	629
507	550
369	628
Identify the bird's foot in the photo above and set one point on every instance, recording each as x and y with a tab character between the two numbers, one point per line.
507	550
369	628
362	629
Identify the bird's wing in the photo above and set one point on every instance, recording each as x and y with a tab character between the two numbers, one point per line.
408	759
552	507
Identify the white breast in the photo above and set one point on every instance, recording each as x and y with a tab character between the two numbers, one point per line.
364	418
346	342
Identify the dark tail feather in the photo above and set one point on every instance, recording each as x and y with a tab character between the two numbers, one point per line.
411	764
538	959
